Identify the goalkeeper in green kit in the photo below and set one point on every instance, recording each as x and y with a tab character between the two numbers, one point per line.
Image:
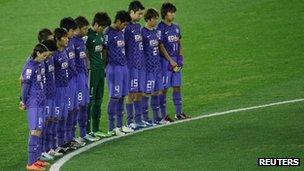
94	45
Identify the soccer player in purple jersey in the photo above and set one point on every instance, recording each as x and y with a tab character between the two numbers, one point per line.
117	72
153	84
136	65
70	25
82	77
61	64
170	44
33	100
50	119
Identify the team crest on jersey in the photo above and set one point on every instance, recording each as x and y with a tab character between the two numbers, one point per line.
64	65
51	68
38	77
28	73
71	55
98	48
172	38
138	38
42	71
120	43
82	54
85	38
153	42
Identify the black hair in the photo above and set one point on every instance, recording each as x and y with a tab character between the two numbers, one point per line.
136	6
101	19
44	34
122	16
151	13
39	48
68	23
167	7
59	33
50	44
81	21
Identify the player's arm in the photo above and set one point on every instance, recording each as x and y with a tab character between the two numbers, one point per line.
164	53
25	87
105	54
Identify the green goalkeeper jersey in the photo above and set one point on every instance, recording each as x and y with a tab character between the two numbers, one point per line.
94	46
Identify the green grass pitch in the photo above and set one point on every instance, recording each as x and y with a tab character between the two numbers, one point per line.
238	53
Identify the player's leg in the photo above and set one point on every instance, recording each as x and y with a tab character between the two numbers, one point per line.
130	108
133	84
176	96
97	106
35	127
121	78
113	91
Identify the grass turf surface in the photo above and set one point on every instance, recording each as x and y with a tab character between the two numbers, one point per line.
237	53
230	142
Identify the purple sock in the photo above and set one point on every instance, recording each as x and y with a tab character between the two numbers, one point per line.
82	120
120	108
54	132
68	128
51	133
129	107
144	104
177	100
112	112
75	117
60	131
155	107
32	149
163	105
46	139
138	111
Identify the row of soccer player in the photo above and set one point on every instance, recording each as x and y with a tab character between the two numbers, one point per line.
140	63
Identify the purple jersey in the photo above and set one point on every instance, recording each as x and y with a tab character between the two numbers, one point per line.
50	78
33	75
170	36
61	63
134	46
115	44
151	51
80	55
70	50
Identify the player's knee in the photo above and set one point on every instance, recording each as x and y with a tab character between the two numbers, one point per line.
177	89
129	100
164	91
35	132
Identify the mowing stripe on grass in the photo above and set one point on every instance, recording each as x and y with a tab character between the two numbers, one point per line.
56	166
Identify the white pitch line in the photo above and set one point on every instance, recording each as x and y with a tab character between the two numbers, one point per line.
56	166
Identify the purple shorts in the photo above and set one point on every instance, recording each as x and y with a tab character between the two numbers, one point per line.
49	108
170	78
117	78
35	118
154	82
72	94
83	97
61	102
137	79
